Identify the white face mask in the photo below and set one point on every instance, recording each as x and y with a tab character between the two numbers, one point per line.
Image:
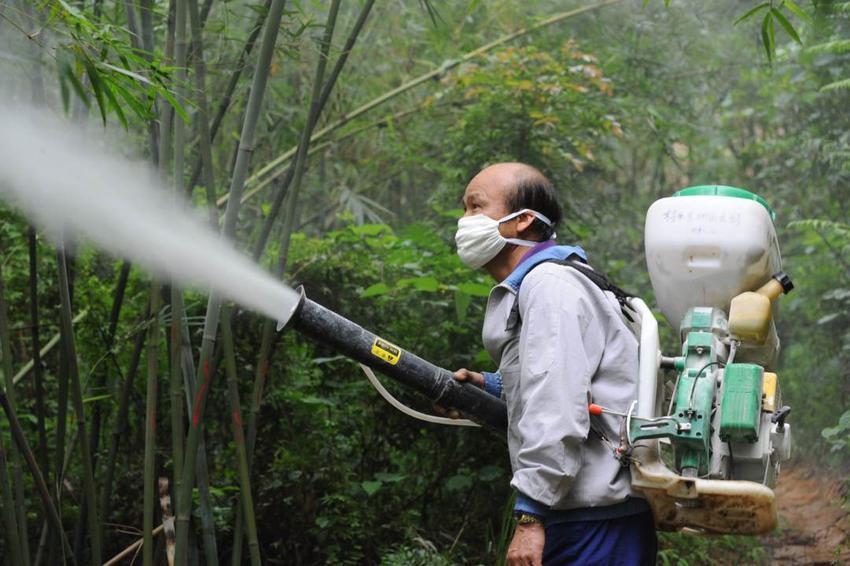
478	238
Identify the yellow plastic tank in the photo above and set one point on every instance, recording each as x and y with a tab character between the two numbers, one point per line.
750	312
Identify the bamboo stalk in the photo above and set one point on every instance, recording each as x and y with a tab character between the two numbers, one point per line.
268	329
272	168
297	170
43	539
226	99
119	427
167	121
205	506
10	519
392	118
12	494
46	349
166	113
313	118
202	115
180	344
150	427
239	438
145	17
246	146
177	310
41	412
114	315
291	214
167	519
136	43
14	461
94	441
130	549
319	96
176	392
253	419
38	478
77	398
61	431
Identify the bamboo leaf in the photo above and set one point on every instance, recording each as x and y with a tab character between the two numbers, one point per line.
474	289
459	482
752	12
166	94
767	36
125	72
428	284
843	84
389	477
797	11
140	110
64	91
96	86
375	290
77	86
786	25
462	301
115	106
836	46
96	398
72	11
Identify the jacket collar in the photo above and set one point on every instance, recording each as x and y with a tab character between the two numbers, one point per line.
537	255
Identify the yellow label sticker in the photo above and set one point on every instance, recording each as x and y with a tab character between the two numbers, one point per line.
388	352
768	400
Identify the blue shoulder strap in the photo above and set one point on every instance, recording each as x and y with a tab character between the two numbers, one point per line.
555	253
579	264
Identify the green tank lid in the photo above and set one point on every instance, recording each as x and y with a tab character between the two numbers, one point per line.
725	191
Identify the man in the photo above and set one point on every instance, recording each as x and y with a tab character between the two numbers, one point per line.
559	341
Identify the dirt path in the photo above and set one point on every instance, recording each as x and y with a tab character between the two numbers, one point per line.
814	529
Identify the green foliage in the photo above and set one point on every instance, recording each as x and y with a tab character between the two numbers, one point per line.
355	467
535	94
772	17
425	554
96	59
839	436
688	549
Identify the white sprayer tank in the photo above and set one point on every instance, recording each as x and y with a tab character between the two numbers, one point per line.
707	244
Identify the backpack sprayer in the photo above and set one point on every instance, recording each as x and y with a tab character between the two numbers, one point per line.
713	259
709	461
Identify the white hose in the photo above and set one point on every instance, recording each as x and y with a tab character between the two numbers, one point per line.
370	375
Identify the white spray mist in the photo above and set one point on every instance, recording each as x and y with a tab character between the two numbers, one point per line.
74	188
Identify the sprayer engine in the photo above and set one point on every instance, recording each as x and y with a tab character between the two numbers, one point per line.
709	459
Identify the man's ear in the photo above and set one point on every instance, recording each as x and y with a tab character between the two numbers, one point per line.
524	224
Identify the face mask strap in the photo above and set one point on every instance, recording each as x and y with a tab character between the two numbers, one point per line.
538	215
527	243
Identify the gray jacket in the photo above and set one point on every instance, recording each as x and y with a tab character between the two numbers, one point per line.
569	343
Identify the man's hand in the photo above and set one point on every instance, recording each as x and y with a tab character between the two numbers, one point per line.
526	548
463	374
473	377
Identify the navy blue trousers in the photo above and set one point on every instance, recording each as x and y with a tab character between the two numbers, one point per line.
626	541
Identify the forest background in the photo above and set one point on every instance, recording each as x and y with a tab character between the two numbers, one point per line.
393	110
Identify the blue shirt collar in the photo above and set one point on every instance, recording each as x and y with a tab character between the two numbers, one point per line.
544	251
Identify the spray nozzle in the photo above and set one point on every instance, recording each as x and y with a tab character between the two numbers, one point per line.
288	316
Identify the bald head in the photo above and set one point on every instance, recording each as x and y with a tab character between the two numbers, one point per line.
502	188
509	175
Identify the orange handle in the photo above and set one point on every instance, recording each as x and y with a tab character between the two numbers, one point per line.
594	409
